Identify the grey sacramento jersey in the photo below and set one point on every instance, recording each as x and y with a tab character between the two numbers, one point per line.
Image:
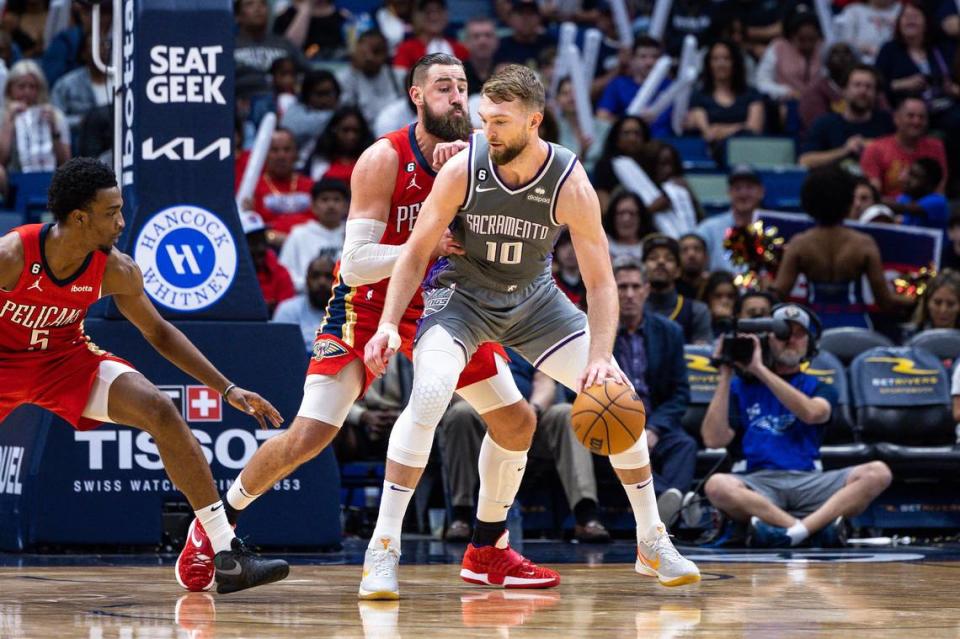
509	234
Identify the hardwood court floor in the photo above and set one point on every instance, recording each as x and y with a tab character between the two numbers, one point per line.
734	600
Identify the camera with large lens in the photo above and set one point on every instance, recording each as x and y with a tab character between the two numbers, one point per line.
738	349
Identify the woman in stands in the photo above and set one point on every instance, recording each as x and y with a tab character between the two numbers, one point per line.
663	164
720	296
939	306
626	221
340	145
724	105
310	114
791	65
835	258
34	134
627	136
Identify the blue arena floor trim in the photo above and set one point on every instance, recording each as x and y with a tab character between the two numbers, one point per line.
429	551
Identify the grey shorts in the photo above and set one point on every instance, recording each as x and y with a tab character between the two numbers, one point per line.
797	492
534	321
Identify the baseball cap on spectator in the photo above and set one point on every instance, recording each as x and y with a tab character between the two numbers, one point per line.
329	184
657	240
877	214
251	222
797	315
743	172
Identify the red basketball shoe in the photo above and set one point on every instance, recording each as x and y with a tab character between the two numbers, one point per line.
501	565
195	569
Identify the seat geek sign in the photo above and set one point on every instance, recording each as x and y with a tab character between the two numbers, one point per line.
185	75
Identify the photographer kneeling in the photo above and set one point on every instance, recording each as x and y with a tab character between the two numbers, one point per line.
777	415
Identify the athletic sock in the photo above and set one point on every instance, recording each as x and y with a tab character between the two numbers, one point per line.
393	506
643	501
238	498
797	533
215	523
486	533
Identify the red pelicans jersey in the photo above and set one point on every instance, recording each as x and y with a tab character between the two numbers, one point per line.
45	358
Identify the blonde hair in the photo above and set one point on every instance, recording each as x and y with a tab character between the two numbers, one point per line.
516	82
947	277
23	69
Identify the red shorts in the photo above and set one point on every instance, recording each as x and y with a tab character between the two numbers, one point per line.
59	382
331	354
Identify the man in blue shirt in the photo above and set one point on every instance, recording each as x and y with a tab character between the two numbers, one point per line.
776	418
621	91
920	204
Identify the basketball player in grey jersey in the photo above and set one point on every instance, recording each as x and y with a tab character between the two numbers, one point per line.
510	194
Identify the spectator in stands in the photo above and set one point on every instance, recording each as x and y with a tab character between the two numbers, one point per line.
95	135
283	75
81	90
315	27
566	271
322	236
866	26
627	136
886	160
480	38
759	21
275	282
626	222
939	306
621	91
778	415
564	111
649	350
834	258
45	144
255	48
791	65
746	194
950	256
307	309
340	145
724	105
826	94
309	116
704	19
865	195
430	21
395	21
398	113
661	257
842	137
920	204
693	265
753	304
720	296
369	83
676	211
63	52
282	196
527	38
948	13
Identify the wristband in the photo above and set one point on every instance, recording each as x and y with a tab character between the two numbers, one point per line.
227	390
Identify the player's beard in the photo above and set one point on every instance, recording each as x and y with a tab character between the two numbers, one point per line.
448	127
508	152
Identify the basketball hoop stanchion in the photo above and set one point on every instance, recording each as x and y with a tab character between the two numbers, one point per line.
172	72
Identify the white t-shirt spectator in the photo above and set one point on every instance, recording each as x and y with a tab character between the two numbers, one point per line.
305	243
866	28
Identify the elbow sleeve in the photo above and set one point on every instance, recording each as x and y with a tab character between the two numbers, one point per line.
364	260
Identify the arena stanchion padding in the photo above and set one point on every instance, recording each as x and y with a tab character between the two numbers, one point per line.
175	165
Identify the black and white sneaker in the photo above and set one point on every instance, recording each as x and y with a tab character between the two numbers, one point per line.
239	568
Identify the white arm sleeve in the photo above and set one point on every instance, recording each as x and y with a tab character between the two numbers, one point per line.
364	260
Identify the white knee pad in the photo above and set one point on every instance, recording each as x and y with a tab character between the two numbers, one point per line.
637	456
437	363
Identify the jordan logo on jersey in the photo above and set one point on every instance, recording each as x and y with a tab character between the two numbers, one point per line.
35	286
413	182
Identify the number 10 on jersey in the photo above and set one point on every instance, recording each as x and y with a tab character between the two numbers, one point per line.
504	252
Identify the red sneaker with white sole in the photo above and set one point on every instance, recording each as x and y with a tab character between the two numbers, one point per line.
501	565
195	569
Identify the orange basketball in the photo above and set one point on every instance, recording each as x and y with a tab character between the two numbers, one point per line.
608	418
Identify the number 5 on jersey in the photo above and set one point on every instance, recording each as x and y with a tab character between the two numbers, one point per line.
509	252
38	339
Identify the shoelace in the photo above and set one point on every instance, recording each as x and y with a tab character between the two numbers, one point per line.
383	561
664	547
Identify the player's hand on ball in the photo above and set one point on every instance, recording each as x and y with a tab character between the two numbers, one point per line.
446	150
380	348
598	371
252	404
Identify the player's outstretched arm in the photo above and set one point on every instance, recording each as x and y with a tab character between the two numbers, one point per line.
579	208
123	280
438	211
11	261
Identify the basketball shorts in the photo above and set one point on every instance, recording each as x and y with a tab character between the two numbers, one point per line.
71	383
795	491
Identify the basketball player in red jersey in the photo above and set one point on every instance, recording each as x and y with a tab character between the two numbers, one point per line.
49	275
389	184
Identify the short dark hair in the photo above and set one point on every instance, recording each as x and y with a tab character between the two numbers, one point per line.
327	185
75	185
318	76
629	263
646	42
421	66
715	281
697	237
862	68
738	305
932	170
827	194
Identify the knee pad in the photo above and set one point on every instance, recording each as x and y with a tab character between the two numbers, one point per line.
637	456
501	472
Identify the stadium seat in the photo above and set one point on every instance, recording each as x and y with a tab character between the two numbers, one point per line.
942	342
902	399
840	446
711	191
848	342
28	194
694	153
702	378
782	188
762	153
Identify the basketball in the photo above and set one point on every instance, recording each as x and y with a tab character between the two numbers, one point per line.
608	418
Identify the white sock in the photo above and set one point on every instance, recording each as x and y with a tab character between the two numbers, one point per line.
797	533
238	497
501	472
215	523
393	506
644	503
